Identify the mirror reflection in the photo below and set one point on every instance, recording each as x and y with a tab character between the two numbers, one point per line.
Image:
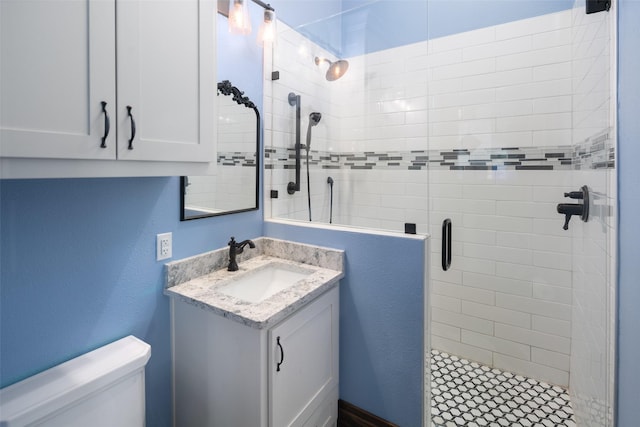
235	186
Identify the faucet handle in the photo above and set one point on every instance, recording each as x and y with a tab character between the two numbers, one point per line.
569	209
232	241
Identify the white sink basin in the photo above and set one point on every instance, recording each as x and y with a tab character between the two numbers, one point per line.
260	284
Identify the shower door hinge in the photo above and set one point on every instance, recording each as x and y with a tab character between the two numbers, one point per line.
594	6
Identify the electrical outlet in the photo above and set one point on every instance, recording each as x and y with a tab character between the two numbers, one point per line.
163	246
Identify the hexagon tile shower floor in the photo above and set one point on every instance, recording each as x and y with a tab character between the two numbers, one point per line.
465	393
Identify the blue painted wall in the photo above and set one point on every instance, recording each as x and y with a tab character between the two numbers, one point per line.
355	27
628	389
78	270
240	57
381	318
298	13
448	17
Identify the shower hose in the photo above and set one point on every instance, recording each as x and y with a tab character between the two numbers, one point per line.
308	185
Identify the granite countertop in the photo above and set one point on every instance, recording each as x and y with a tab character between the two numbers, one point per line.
197	280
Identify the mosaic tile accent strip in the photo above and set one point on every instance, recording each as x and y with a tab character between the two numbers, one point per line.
596	152
465	393
592	154
236	158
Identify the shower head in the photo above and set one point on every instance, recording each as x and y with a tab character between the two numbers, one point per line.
314	118
336	69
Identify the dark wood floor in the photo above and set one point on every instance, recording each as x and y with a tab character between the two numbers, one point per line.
351	416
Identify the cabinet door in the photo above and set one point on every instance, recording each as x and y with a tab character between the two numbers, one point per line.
57	66
303	365
166	76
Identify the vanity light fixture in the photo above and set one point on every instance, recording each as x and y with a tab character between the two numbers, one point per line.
267	32
240	20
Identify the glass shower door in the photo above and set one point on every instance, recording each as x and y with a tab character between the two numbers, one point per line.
514	114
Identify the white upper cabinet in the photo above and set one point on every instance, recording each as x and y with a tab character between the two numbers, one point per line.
165	63
71	71
57	66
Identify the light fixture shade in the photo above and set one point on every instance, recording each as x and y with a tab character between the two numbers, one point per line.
239	20
267	32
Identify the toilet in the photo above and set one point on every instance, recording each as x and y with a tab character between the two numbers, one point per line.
102	388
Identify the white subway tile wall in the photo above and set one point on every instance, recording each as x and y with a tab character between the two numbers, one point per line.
484	128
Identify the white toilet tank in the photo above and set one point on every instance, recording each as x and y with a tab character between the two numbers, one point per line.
102	388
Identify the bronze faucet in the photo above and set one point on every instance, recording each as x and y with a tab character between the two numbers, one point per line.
236	248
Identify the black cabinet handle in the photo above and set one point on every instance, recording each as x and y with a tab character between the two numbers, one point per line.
107	125
133	127
281	354
446	244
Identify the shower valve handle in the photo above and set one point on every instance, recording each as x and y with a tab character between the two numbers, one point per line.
568	210
579	209
574	195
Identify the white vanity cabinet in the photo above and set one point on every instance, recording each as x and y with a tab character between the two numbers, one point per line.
229	374
71	72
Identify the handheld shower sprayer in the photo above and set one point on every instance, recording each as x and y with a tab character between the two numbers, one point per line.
314	119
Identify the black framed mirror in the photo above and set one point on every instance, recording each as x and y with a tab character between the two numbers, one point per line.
234	188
